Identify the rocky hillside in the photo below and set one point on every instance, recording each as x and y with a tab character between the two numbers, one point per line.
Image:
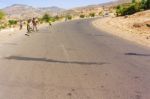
96	8
18	11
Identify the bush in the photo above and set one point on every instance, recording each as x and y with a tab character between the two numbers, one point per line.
69	17
92	14
122	10
147	4
133	1
82	16
143	4
12	22
46	17
130	10
2	27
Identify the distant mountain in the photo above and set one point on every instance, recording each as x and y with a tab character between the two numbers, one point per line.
18	11
52	9
96	8
115	2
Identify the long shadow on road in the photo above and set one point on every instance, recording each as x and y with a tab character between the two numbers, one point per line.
137	54
20	58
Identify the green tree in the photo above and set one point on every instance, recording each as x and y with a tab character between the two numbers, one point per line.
133	1
147	4
130	10
120	10
143	2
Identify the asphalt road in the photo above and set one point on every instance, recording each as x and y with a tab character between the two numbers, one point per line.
73	60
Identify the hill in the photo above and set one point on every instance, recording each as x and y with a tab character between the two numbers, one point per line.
24	11
18	11
95	8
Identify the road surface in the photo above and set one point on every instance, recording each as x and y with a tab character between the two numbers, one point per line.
73	60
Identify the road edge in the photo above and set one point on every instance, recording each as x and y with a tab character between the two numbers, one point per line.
102	24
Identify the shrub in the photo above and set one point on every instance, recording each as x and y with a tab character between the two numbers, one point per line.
92	14
12	22
130	10
82	16
120	10
143	4
147	4
101	13
133	7
2	27
46	17
69	17
127	10
133	1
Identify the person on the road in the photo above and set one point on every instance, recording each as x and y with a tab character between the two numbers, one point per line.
29	29
34	23
21	24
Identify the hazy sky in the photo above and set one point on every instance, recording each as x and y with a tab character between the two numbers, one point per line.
46	3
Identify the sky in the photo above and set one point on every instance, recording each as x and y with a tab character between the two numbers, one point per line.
47	3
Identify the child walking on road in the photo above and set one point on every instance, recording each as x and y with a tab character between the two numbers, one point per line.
21	24
34	23
28	27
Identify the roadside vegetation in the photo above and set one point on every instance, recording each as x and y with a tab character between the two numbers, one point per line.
12	23
48	18
82	16
131	8
92	14
2	15
69	17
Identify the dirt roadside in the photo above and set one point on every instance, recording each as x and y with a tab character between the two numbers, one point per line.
135	28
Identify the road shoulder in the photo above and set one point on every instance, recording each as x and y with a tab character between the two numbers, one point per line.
120	28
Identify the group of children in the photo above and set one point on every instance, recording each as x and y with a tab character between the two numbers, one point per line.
31	25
